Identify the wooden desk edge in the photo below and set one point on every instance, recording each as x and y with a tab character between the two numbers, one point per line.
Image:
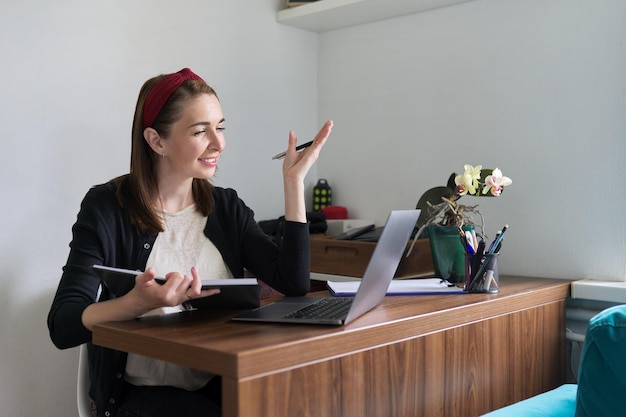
396	319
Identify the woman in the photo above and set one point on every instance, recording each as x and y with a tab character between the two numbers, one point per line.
167	219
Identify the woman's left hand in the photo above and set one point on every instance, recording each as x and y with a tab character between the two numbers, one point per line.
297	164
295	168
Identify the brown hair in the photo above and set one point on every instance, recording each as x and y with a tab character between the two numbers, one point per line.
138	191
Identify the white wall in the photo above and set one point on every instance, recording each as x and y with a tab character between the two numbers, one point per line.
69	78
535	87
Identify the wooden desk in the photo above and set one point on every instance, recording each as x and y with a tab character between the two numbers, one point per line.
436	355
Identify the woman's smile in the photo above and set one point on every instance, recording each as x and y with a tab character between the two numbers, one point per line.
209	162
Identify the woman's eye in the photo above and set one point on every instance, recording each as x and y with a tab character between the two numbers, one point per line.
221	128
199	133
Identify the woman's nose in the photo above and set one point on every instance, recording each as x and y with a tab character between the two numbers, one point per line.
216	141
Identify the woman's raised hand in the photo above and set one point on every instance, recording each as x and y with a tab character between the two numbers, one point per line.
297	164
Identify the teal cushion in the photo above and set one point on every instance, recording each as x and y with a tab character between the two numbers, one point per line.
560	402
602	370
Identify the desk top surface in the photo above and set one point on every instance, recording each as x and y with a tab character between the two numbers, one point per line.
211	342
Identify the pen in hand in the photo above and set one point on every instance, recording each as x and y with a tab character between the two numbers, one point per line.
298	148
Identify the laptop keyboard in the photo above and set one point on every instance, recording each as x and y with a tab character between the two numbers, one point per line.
325	308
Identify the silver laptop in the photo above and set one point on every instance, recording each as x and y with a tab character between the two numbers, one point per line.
342	310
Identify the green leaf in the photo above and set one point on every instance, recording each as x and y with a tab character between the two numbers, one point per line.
432	196
451	184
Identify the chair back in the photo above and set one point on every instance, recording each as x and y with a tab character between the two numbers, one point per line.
602	370
82	383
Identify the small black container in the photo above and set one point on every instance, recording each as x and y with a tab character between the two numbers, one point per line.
322	195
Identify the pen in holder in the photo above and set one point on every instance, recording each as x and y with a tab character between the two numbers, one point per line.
481	273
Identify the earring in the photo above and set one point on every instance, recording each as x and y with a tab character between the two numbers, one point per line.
163	155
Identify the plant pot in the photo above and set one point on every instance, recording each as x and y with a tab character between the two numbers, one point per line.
448	253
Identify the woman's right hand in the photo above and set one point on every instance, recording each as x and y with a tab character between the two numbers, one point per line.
177	289
146	295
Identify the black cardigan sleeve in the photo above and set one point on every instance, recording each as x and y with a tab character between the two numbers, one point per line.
101	235
243	244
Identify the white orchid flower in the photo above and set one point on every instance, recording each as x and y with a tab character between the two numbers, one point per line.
495	182
467	183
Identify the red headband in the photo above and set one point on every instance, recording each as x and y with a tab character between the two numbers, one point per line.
162	91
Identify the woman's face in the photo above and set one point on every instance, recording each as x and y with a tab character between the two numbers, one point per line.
196	141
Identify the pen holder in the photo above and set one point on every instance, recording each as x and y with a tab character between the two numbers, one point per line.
481	273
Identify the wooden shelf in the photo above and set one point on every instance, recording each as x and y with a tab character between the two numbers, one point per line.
325	15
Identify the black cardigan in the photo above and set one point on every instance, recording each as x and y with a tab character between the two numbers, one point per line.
103	235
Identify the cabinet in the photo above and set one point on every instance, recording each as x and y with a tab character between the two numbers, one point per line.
325	15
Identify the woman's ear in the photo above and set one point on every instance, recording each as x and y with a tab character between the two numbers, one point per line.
154	140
